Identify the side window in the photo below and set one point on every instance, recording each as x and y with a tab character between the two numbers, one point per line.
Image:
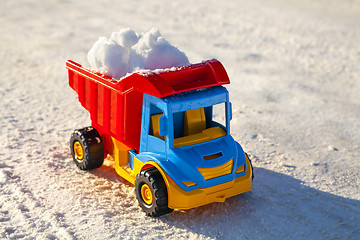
178	119
218	115
155	114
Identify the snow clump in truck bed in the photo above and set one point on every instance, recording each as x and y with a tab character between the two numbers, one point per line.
127	51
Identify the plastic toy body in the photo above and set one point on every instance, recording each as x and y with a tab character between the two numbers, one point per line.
161	130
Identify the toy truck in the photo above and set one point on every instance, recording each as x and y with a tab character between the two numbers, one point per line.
161	130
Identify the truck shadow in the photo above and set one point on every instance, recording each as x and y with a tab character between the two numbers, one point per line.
278	207
108	172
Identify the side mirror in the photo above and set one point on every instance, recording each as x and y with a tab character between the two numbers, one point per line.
230	110
163	126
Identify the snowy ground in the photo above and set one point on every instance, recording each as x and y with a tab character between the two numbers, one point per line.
295	72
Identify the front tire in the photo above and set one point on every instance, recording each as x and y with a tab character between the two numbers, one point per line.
87	148
151	193
252	168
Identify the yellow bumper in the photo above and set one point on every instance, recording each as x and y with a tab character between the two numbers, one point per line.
180	199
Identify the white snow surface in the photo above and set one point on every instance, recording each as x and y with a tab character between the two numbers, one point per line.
127	51
294	68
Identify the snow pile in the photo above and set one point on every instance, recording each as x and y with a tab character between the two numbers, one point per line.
127	51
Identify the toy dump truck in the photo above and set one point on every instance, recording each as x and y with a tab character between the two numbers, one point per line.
164	134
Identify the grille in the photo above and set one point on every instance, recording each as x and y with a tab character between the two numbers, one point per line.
210	173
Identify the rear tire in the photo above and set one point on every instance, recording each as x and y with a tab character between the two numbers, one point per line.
151	193
87	148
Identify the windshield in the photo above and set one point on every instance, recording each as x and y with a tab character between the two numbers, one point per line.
199	125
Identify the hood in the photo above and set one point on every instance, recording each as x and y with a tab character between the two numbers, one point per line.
207	164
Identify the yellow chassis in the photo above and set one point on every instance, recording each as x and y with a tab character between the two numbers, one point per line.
177	197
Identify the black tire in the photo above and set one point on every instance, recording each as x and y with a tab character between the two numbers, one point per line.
252	169
152	179
87	148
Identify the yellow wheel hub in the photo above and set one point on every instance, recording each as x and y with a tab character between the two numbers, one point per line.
79	151
146	194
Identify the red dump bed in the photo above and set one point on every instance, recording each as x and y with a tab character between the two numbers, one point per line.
116	106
